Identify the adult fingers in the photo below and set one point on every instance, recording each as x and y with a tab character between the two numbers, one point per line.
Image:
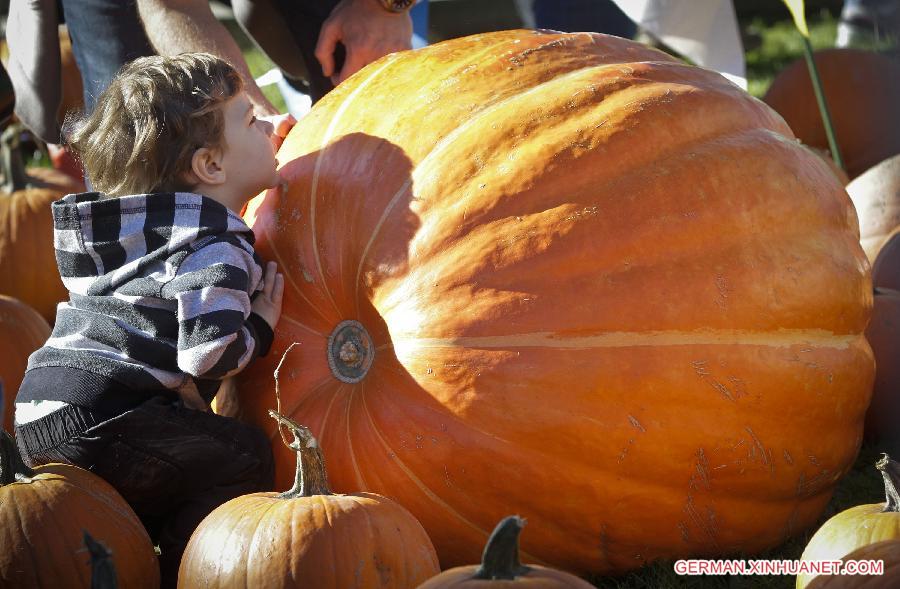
329	36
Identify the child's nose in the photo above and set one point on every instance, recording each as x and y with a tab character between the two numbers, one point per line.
267	127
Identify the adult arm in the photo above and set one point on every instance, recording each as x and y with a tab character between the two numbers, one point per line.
265	25
178	26
367	30
35	66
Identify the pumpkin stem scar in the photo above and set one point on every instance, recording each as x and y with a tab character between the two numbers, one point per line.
11	163
890	471
350	351
501	554
12	468
310	477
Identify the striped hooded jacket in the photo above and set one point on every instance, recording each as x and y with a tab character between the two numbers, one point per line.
160	288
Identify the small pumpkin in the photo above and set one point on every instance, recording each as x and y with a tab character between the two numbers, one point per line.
22	331
43	515
876	196
28	268
859	526
500	567
862	89
888	552
308	537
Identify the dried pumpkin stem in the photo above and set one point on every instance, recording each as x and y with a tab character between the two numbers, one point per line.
890	471
310	477
103	571
12	468
501	554
11	163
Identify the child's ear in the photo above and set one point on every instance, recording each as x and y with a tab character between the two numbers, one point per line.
206	166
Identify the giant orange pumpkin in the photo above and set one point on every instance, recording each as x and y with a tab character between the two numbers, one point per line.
28	268
862	89
567	276
22	331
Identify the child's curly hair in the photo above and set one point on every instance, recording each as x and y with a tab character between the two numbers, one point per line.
146	125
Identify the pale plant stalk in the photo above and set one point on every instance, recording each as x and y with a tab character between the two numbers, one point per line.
798	11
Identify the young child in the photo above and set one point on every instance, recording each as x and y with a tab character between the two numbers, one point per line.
167	298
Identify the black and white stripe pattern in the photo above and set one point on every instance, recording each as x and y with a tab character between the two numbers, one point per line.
160	289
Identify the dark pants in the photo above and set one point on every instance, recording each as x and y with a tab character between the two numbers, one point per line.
106	34
304	20
171	464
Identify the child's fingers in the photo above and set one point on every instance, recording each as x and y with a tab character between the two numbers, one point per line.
269	279
278	288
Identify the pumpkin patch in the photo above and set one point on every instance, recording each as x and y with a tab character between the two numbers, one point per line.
568	276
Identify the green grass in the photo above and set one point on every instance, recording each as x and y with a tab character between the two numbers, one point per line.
863	484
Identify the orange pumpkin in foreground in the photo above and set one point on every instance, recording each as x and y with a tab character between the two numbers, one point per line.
862	89
888	552
44	513
568	276
28	268
500	567
22	331
308	537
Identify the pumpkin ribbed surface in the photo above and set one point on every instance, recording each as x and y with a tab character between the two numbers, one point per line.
327	542
599	288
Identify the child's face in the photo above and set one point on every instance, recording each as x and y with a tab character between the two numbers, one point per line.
248	156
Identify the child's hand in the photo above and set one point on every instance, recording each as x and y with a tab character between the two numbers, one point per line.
281	125
227	402
267	304
190	396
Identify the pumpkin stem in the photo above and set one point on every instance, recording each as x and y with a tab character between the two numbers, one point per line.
310	477
11	163
501	554
12	468
103	571
890	471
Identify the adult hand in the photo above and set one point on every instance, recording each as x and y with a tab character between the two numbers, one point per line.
368	32
281	124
